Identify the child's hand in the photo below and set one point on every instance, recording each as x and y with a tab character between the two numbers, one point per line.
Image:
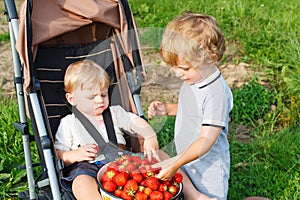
87	152
168	169
151	147
156	108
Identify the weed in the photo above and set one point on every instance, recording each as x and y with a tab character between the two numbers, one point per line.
251	103
4	37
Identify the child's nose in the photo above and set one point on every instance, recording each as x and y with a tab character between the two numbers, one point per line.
98	99
178	73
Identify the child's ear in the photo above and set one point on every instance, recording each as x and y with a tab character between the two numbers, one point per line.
214	57
69	98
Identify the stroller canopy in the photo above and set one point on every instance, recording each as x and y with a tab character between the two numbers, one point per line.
50	19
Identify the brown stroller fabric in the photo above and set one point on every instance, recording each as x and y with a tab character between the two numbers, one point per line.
64	22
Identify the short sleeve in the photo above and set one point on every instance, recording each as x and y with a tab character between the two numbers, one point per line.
63	137
217	105
122	118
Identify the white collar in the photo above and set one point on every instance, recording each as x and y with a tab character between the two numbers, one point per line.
209	80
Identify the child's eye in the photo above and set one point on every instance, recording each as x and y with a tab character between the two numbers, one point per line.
104	95
91	97
185	69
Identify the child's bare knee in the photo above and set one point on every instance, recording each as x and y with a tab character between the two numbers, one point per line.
85	187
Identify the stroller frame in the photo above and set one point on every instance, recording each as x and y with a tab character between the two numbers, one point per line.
52	164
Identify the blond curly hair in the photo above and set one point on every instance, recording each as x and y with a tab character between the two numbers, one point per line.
85	74
194	38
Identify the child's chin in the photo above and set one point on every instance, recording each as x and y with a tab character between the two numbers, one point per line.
99	112
189	82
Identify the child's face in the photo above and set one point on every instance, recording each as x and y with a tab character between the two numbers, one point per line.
187	73
89	102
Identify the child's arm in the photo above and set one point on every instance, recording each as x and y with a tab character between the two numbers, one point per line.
157	108
198	148
189	190
142	128
83	153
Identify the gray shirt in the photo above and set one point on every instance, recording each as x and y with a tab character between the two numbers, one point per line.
206	103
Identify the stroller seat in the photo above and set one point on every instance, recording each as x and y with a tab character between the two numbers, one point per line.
42	50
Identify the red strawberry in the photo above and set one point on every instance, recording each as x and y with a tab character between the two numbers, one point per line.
145	161
147	191
177	177
133	172
167	182
97	149
137	159
126	174
130	167
156	195
127	196
108	175
112	165
131	185
109	186
173	189
140	196
163	187
138	177
167	195
141	188
153	161
122	159
118	193
147	171
121	178
152	183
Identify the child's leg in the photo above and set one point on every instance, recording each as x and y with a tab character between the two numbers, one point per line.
85	187
189	191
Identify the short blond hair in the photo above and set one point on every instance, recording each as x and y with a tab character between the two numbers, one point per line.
195	38
85	74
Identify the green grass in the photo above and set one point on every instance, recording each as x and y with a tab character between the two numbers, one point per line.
252	103
4	37
12	180
266	32
268	166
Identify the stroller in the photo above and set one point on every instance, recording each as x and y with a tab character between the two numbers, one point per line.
43	45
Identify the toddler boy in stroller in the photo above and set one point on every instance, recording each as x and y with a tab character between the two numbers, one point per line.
45	38
86	86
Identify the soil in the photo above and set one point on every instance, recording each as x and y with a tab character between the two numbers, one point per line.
159	83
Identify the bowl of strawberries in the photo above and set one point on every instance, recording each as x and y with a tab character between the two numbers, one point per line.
131	177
